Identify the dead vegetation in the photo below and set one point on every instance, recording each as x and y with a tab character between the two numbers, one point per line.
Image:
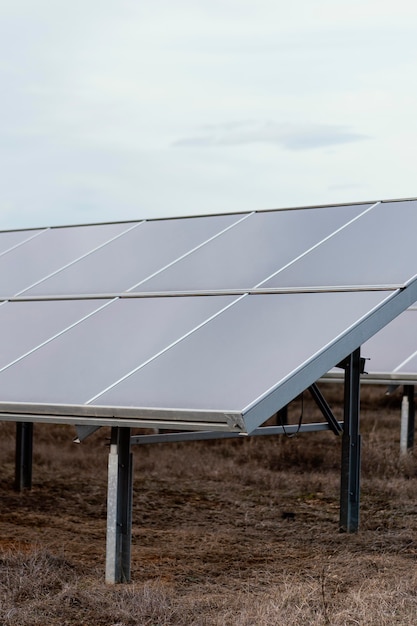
239	533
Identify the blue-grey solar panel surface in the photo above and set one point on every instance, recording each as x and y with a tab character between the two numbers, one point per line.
24	327
246	255
210	322
369	251
103	348
128	260
49	251
237	358
13	238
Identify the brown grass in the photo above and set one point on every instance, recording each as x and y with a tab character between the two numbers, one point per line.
239	533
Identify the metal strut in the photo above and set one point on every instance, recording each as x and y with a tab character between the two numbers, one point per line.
119	507
351	446
325	409
24	454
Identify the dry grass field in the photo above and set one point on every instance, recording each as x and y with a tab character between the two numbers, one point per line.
239	533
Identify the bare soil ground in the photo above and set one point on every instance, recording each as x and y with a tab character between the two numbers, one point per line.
224	533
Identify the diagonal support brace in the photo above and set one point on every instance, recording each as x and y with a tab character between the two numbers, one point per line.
325	409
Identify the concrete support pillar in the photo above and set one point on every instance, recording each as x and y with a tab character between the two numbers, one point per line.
407	420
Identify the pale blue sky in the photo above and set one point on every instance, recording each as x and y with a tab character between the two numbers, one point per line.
117	110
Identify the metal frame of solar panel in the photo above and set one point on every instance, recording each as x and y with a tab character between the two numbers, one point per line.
207	325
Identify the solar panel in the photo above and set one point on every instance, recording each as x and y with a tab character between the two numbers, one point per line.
26	326
135	256
198	324
253	250
237	358
371	250
11	239
48	251
393	350
409	368
390	353
102	347
225	361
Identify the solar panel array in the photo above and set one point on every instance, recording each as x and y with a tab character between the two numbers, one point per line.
206	322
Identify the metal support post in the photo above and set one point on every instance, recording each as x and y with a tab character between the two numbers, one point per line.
409	392
24	454
119	507
351	447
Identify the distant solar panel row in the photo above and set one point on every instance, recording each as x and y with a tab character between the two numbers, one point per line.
392	353
72	345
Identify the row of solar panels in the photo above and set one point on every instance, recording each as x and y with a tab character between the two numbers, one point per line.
287	249
223	361
107	342
210	353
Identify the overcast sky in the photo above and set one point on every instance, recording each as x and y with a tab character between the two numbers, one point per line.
128	109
